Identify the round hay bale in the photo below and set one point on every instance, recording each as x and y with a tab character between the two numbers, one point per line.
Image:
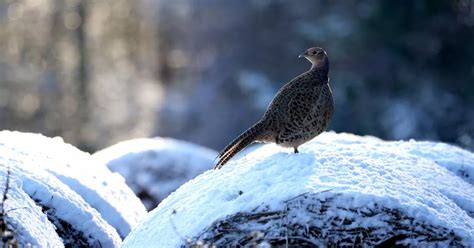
341	190
308	221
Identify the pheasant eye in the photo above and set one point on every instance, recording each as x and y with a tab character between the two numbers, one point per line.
314	52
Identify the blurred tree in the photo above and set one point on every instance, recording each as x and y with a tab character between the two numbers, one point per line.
82	70
96	72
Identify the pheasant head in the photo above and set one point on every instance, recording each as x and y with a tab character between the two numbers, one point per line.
317	56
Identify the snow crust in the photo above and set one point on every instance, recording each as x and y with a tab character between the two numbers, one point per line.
420	179
73	187
155	167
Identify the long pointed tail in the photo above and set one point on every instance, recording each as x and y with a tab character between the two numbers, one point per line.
246	138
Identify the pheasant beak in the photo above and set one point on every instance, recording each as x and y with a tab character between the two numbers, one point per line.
302	55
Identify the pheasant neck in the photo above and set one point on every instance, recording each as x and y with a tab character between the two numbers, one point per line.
321	71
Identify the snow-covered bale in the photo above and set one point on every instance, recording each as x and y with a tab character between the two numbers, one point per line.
340	190
22	221
88	204
154	168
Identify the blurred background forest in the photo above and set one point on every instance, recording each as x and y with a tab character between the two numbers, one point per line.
98	72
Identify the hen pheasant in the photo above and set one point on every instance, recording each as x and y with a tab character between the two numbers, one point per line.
300	110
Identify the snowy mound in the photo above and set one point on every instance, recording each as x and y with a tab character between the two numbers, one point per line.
154	168
86	202
21	215
340	190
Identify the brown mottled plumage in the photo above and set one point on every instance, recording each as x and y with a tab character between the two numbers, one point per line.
300	111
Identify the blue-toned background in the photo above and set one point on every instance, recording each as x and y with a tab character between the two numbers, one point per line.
97	72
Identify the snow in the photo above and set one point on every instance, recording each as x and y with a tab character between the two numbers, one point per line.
25	217
421	180
156	167
64	203
455	159
71	187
